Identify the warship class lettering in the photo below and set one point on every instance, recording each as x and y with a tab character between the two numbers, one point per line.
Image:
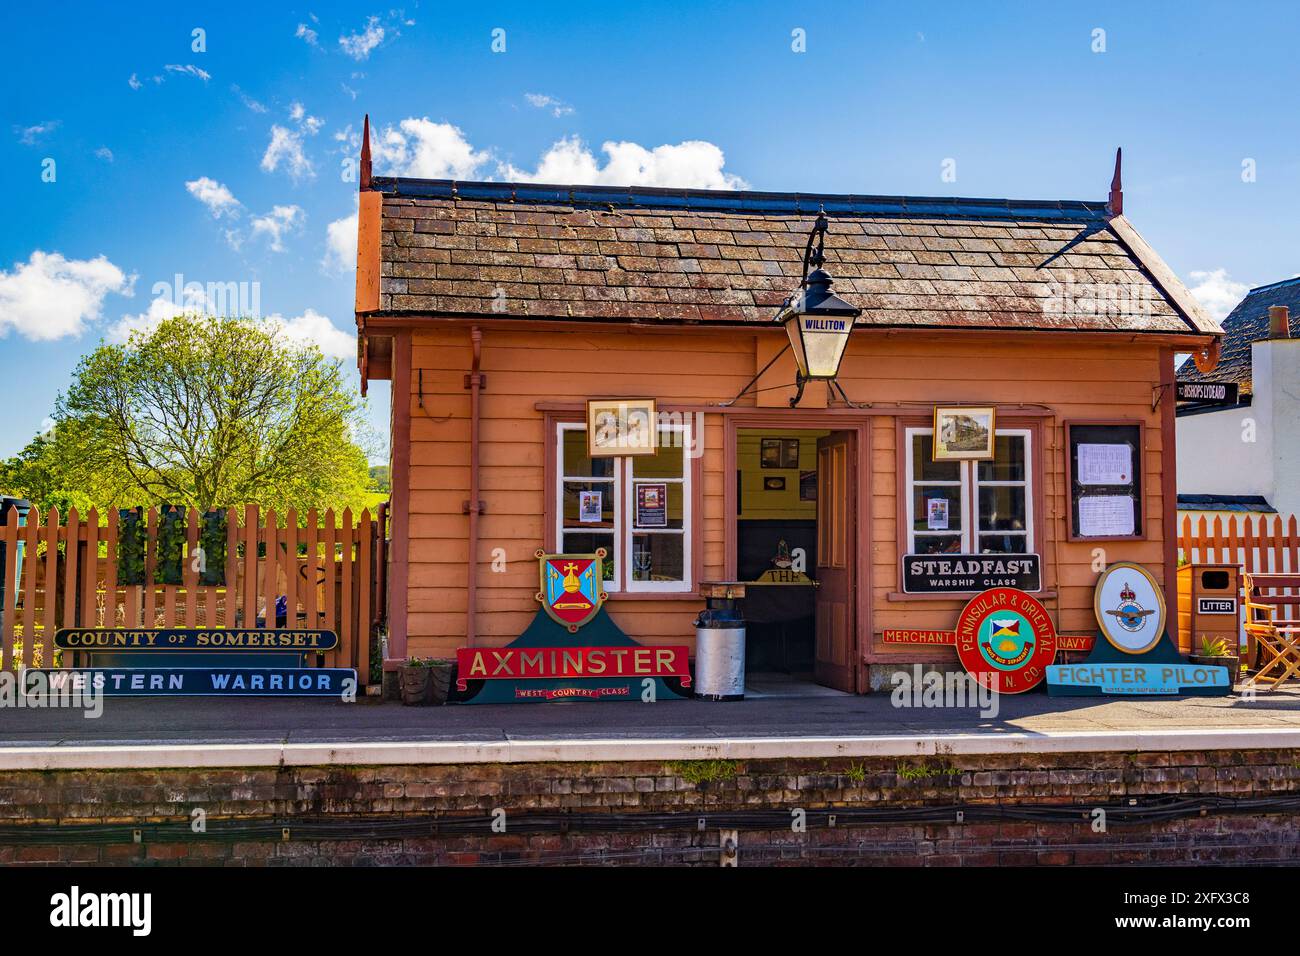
934	573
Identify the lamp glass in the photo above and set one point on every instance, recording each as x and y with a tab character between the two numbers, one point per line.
819	342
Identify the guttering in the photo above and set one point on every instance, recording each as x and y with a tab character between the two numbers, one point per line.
473	507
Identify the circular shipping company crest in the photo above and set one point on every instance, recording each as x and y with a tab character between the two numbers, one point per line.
1006	640
1130	608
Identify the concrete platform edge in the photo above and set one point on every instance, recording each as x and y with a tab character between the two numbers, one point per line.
378	753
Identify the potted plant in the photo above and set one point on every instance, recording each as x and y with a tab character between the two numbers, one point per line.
1219	652
425	681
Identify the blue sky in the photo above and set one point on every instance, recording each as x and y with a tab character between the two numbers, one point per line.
227	164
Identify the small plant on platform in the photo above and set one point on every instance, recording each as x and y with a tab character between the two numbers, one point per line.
924	771
704	771
856	772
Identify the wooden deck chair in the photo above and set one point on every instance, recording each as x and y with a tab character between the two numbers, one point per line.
1273	642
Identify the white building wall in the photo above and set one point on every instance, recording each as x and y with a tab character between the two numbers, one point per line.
1277	375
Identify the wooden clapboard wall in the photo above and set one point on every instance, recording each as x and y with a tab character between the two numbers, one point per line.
329	568
1038	380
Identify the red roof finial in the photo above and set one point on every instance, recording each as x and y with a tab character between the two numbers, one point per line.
365	153
1116	201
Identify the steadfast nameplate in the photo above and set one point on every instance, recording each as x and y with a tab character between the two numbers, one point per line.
205	681
957	573
193	639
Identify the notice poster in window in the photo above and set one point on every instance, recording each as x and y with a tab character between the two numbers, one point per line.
1106	516
651	505
1109	464
936	511
589	507
1105	462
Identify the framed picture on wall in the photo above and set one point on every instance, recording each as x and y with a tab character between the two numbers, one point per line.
774	483
964	432
769	454
621	426
789	453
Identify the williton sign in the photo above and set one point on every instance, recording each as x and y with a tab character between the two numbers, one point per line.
956	573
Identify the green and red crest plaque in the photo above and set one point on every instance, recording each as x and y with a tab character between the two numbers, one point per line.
1006	640
572	588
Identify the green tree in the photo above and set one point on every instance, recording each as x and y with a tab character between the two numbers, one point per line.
205	412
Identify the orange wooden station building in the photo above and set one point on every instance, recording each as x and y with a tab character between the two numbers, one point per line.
498	311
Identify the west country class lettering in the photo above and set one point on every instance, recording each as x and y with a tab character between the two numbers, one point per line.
158	640
525	663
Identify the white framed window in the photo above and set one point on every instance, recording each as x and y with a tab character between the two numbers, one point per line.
642	516
970	507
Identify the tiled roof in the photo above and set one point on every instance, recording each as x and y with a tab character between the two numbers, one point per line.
1245	325
1239	503
584	252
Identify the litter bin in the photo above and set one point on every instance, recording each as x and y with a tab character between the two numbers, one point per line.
11	509
1207	605
720	644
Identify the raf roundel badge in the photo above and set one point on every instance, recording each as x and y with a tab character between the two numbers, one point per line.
1006	640
1130	608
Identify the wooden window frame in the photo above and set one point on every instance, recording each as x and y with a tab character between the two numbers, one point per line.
970	487
693	541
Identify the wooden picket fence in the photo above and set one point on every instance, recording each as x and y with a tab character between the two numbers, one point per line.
1267	544
330	572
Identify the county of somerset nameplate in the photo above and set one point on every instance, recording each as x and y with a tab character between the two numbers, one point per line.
194	639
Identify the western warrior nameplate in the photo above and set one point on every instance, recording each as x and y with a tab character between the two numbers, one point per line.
207	681
193	639
950	573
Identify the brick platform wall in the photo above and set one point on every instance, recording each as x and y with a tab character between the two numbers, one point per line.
1235	806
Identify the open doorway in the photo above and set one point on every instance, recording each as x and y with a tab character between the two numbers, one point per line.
795	547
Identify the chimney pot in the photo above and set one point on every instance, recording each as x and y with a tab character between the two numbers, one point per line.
1279	325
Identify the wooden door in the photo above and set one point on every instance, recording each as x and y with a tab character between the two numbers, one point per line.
835	657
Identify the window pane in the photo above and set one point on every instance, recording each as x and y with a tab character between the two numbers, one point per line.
927	517
644	492
667	460
1008	463
936	544
1004	544
601	508
576	461
923	469
1002	508
658	557
587	543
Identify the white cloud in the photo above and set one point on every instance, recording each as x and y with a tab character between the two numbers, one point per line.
248	101
134	82
694	164
307	35
542	102
359	45
424	149
1217	292
340	245
308	124
216	196
50	297
313	328
189	69
31	135
275	224
286	147
104	153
